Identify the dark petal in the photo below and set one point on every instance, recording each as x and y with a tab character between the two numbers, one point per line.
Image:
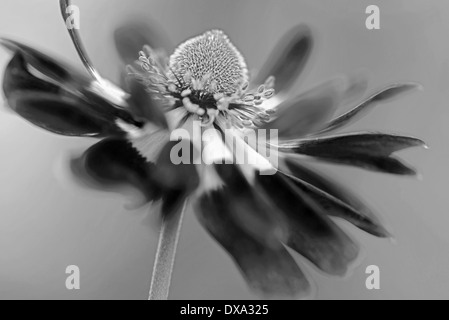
365	219
17	77
249	209
370	151
307	112
131	37
268	270
114	162
58	71
57	79
288	58
62	115
311	232
177	181
362	108
171	176
143	106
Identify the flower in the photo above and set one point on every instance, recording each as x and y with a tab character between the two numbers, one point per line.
205	83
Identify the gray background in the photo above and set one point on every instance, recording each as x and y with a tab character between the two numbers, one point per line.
48	222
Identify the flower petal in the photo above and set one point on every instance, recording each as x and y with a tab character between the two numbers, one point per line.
288	58
132	36
174	176
308	112
58	71
177	180
268	270
114	162
142	105
62	115
360	215
371	151
311	232
16	77
247	207
363	107
91	114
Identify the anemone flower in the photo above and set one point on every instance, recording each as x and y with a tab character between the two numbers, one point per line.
255	210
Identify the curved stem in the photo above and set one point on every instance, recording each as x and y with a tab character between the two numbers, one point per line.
76	39
165	256
110	91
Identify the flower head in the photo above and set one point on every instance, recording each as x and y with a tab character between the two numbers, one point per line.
209	62
207	76
253	216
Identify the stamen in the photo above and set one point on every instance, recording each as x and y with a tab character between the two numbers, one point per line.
269	83
172	88
247	123
187	77
191	107
223	104
269	93
218	96
212	112
211	115
213	86
248	98
197	85
186	93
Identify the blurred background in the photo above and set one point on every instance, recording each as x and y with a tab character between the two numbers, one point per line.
47	221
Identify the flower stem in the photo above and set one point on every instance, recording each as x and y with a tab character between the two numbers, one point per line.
76	39
165	256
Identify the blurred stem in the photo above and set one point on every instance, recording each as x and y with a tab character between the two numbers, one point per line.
165	256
